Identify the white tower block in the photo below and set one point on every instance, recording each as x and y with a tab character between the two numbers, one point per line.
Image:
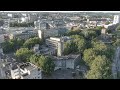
116	19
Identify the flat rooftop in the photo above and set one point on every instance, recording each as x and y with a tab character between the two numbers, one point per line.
45	48
28	66
66	57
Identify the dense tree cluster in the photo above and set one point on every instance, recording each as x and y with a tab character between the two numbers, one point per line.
81	39
15	24
89	56
73	32
12	45
96	54
100	68
103	49
32	41
90	34
87	33
118	28
77	45
107	23
23	54
44	62
99	59
117	42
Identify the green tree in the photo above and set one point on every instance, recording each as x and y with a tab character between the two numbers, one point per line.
77	37
81	45
23	54
117	42
67	48
12	45
89	55
94	74
118	28
99	47
107	23
98	30
103	49
44	62
31	42
35	59
77	45
89	34
74	32
7	47
100	68
110	52
109	31
17	43
70	47
47	64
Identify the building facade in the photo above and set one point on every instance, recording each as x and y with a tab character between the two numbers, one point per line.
116	19
2	39
47	33
22	35
56	43
67	62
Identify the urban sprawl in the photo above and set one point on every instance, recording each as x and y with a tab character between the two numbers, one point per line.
59	45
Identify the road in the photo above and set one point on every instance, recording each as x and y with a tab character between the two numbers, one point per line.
116	64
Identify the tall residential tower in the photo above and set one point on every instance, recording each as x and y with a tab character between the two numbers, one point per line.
116	19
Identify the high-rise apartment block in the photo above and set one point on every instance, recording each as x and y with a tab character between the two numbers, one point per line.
56	43
116	19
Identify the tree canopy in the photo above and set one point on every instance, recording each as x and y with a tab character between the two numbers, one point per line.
23	54
70	47
12	45
103	49
74	32
118	28
44	62
31	42
100	47
99	58
89	55
89	34
77	45
100	68
117	42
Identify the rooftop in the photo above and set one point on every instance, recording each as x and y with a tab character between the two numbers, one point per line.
66	57
28	66
45	49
